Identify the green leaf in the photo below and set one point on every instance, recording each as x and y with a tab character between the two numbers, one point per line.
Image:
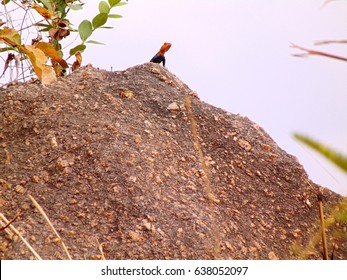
113	2
43	25
85	29
62	8
80	48
4	2
114	16
45	29
106	27
99	20
47	3
77	7
120	4
335	157
95	42
104	7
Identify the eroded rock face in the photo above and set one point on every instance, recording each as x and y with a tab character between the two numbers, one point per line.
135	162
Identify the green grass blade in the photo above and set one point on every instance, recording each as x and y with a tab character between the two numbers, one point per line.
335	157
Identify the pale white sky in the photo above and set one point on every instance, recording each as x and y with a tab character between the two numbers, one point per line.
235	54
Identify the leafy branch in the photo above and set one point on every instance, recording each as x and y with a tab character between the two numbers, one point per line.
55	26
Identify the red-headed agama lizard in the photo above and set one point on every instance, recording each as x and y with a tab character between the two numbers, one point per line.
159	57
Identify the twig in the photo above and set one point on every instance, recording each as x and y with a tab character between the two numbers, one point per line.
324	42
10	222
20	236
321	216
50	224
314	52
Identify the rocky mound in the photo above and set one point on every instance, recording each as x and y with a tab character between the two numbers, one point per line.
132	165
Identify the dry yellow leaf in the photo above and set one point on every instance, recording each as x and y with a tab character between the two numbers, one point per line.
38	59
49	50
10	37
47	14
78	62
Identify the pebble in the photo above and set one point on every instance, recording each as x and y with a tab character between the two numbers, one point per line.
35	179
245	145
173	107
54	143
20	189
272	256
135	236
126	93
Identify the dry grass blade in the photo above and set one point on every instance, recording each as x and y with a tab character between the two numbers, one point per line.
207	182
317	236
321	216
50	224
19	235
101	250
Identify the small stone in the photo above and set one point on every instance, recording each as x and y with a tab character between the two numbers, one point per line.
201	173
20	189
179	232
173	107
126	93
155	71
266	147
161	232
138	139
245	145
257	245
229	246
62	163
273	156
3	246
158	180
73	201
212	198
147	123
272	256
35	179
67	170
308	203
96	257
135	236
193	94
56	240
54	143
132	179
296	233
147	226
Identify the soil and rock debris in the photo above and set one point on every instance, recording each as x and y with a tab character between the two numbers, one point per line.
132	165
